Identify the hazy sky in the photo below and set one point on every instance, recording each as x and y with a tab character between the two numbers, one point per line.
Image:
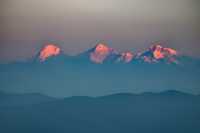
76	25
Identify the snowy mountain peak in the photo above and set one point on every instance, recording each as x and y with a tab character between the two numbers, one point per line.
48	51
157	53
160	52
126	57
101	52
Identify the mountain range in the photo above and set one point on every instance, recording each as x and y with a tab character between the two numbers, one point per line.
102	53
101	91
167	111
102	70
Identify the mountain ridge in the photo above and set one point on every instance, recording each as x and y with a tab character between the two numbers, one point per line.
113	114
64	75
166	92
102	53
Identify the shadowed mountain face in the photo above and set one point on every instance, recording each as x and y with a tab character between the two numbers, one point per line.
102	70
165	112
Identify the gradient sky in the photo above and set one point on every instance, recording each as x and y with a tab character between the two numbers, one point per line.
76	25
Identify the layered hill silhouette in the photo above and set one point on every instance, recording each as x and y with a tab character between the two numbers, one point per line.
12	99
168	111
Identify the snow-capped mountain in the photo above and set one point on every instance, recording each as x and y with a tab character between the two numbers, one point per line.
157	53
126	57
102	70
48	51
102	53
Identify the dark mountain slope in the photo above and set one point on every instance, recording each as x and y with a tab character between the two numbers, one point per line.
127	113
9	100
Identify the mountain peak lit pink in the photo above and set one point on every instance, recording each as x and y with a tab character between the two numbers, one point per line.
100	53
157	52
48	51
160	52
126	57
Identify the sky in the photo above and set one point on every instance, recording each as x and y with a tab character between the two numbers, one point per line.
76	25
